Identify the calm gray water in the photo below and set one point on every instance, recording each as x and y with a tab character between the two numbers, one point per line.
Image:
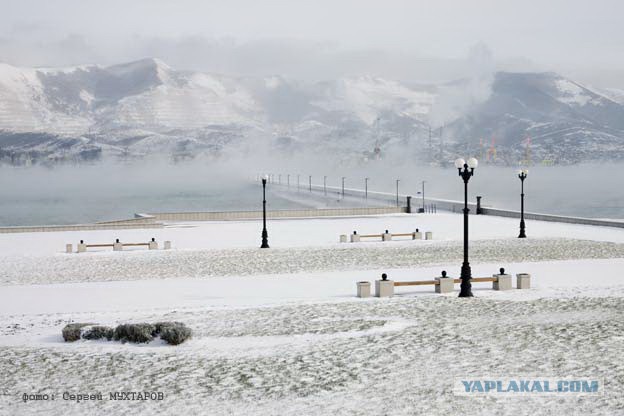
89	193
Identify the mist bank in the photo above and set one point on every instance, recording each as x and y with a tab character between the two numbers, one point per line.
102	191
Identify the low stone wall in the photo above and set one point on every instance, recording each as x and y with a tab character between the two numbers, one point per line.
286	213
80	227
551	218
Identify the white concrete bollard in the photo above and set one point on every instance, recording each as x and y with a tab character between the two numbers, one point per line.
445	284
363	289
69	248
417	235
82	247
523	281
343	238
153	245
167	245
117	246
503	282
428	235
355	238
384	288
386	236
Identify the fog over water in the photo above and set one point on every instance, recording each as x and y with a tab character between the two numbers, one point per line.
106	191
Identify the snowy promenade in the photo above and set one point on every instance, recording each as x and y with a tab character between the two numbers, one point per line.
279	331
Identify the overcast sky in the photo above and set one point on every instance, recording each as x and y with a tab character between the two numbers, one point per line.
411	39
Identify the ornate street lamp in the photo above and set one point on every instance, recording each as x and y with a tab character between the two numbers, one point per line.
265	234
466	170
522	174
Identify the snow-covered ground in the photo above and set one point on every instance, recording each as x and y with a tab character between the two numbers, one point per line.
280	331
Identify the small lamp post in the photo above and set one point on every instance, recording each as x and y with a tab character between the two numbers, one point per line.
265	234
522	174
325	185
423	196
310	182
466	170
298	183
366	188
288	180
397	191
343	179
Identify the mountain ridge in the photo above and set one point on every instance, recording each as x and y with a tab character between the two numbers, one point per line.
145	106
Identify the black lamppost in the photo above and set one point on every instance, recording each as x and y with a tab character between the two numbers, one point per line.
522	175
265	234
466	170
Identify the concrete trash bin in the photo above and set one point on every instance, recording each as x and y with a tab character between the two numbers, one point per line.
343	238
167	245
386	236
523	281
69	248
363	289
429	235
417	235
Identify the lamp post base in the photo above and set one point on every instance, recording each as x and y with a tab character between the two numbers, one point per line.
522	228
265	240
465	287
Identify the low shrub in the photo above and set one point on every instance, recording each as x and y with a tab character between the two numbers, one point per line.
173	333
138	333
72	332
98	332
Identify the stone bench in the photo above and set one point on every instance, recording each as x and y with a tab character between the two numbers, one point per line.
116	246
445	284
387	236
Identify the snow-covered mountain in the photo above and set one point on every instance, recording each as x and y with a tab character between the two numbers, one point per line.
145	107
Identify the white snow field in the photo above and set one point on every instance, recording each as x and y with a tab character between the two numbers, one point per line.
280	331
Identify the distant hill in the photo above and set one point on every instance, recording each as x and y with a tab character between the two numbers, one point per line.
145	107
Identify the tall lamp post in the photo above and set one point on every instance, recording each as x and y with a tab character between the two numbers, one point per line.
310	182
522	174
325	185
423	196
366	188
466	170
343	179
265	234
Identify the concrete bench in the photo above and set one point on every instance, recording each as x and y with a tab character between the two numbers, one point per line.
445	284
116	246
